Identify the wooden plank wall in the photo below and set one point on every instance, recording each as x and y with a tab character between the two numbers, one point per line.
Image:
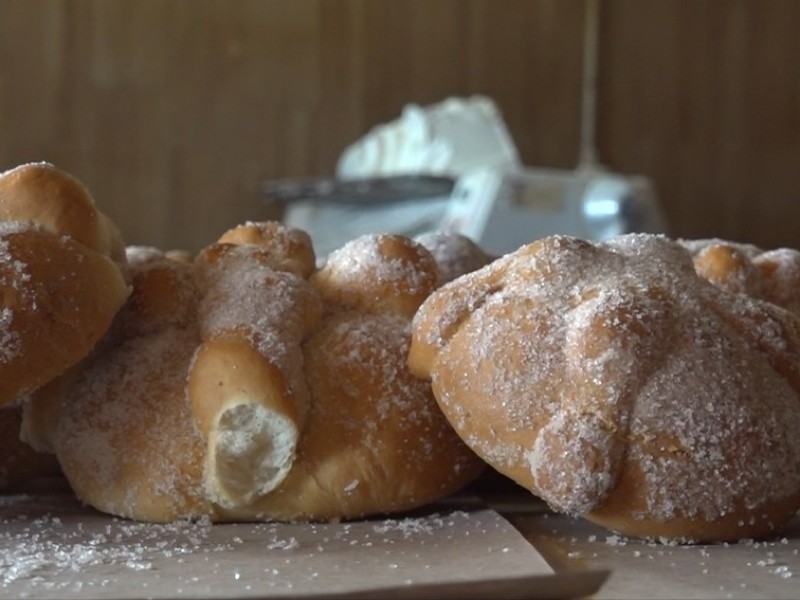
173	111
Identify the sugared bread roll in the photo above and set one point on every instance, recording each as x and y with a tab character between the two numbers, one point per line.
246	384
771	275
616	384
124	435
375	441
455	254
61	281
237	387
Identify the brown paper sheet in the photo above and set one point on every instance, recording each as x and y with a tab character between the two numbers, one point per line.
641	569
52	547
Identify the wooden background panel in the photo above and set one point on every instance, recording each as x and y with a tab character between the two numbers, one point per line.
173	112
704	97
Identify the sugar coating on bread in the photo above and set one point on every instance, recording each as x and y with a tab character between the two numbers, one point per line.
126	439
124	415
245	293
204	352
771	275
165	293
379	272
259	393
61	276
247	383
42	195
615	383
286	248
455	254
251	430
375	441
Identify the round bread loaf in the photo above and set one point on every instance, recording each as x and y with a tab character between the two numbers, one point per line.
238	388
61	277
616	384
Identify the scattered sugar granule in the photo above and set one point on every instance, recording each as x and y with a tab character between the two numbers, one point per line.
289	544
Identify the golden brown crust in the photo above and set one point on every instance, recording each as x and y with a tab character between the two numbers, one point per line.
126	438
165	293
289	248
247	387
375	441
771	275
455	254
58	301
616	384
382	272
250	402
41	411
61	278
42	194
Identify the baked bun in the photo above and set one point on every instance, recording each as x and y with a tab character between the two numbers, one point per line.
375	441
771	275
61	278
235	387
455	254
616	384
